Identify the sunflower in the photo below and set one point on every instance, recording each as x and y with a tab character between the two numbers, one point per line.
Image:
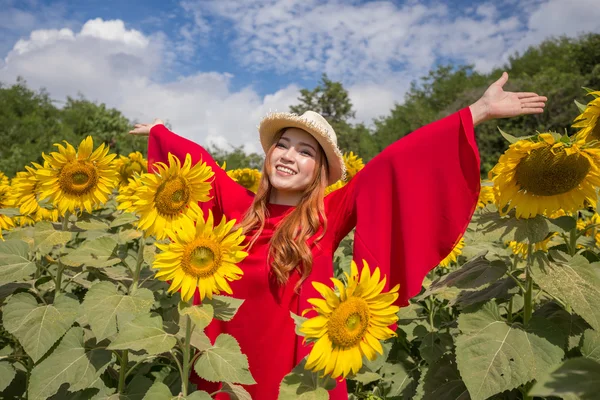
486	194
350	324
353	164
589	120
24	194
521	247
79	179
127	193
201	257
586	225
453	256
332	188
247	177
544	174
6	222
4	179
127	166
170	196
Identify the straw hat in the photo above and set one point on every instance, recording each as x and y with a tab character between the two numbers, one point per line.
312	123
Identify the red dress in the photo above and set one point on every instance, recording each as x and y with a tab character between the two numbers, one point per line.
410	205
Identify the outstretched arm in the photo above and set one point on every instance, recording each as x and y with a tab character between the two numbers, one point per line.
497	103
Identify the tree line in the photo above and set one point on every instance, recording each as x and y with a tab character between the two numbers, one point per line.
558	68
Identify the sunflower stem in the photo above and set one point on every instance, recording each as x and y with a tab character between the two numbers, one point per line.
138	264
186	356
61	267
573	242
528	307
123	370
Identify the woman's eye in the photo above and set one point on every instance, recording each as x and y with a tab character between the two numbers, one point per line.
306	153
280	145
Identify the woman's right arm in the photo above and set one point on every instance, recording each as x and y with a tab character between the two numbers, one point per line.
229	198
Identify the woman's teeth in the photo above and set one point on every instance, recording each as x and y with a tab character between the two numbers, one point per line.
286	170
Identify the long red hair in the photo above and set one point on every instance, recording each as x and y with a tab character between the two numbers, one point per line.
289	248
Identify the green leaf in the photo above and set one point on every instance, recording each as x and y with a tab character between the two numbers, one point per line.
298	321
7	374
38	327
200	315
96	253
366	377
435	345
591	345
236	392
224	307
123	219
92	225
509	138
104	306
199	340
158	391
45	237
502	289
441	381
14	261
563	224
10	212
137	388
395	379
146	333
580	106
224	362
305	385
576	378
575	283
70	363
199	395
474	274
494	356
572	326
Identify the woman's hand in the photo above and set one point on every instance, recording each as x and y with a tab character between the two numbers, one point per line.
496	103
144	129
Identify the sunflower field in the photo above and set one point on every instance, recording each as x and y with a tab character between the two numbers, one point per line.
100	260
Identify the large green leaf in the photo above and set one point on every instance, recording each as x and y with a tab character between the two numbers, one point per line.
107	309
14	261
146	333
7	374
574	282
576	378
435	345
591	345
38	327
441	381
70	363
305	385
571	325
395	379
503	289
123	219
224	307
224	362
45	237
158	391
200	315
93	253
236	392
494	356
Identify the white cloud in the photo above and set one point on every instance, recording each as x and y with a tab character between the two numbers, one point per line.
112	64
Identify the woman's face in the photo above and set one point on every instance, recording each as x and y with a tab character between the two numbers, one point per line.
293	161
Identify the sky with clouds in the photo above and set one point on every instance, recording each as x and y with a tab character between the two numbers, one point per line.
214	68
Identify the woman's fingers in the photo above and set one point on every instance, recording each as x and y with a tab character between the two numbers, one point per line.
526	95
535	110
533	105
535	99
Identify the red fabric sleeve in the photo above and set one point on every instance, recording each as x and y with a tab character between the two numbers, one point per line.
228	197
411	203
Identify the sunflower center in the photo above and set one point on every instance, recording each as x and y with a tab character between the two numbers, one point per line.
349	322
546	174
78	178
172	196
129	169
201	258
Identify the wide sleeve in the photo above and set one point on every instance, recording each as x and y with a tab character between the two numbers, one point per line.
228	197
412	203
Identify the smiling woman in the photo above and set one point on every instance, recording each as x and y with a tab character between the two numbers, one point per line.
293	229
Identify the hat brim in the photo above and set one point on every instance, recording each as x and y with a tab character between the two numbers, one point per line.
275	122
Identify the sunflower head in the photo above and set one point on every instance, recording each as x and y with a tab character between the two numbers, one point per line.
4	179
81	179
520	248
589	120
25	195
203	256
332	188
128	166
353	164
486	194
350	323
544	174
170	195
6	201
453	256
247	177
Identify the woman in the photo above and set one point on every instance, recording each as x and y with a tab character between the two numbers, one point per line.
293	229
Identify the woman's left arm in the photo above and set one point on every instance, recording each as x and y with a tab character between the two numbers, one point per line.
413	201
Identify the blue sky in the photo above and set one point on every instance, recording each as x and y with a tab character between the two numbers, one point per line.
213	68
